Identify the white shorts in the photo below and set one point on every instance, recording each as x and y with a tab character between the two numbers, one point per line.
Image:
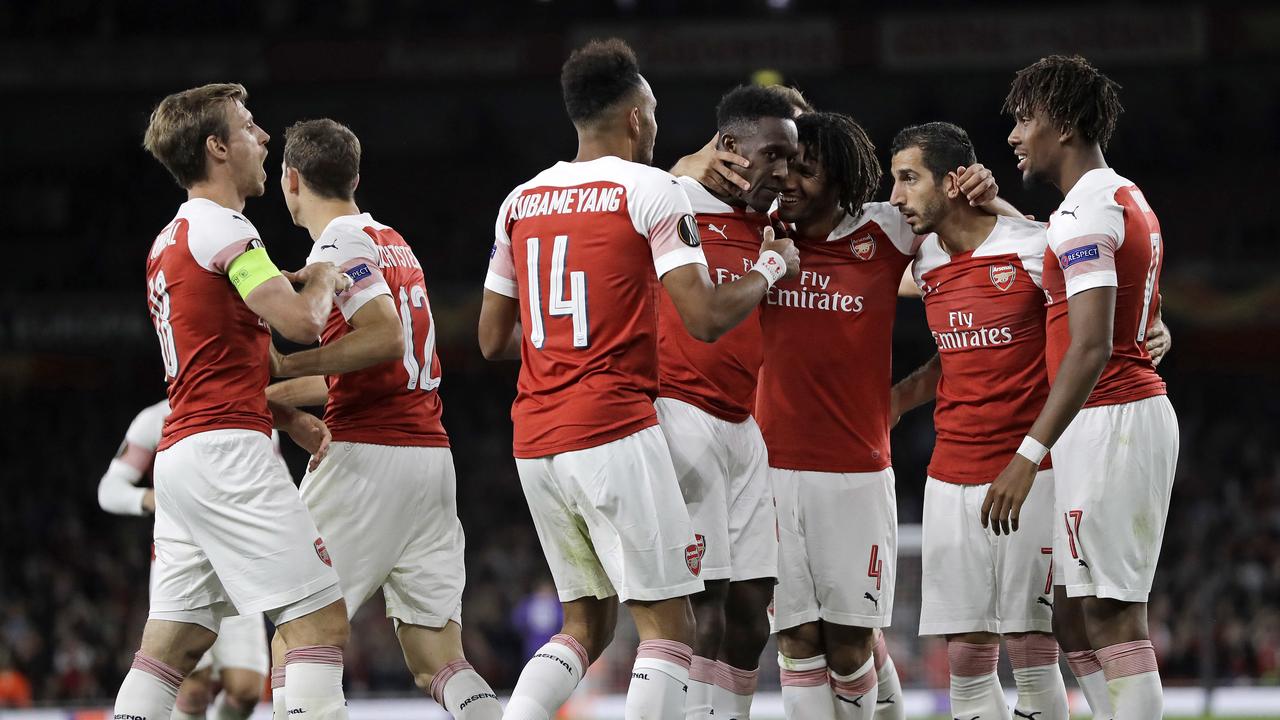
612	522
1115	467
232	535
976	581
723	472
241	644
389	516
837	548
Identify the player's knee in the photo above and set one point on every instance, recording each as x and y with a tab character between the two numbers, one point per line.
848	648
804	641
244	694
195	691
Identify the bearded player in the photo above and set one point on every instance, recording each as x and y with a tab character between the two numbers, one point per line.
1114	431
578	251
980	276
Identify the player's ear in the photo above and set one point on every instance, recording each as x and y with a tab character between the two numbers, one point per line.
633	122
951	185
293	180
355	184
214	146
1065	134
729	143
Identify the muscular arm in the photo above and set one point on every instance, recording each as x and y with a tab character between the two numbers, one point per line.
915	389
299	392
708	310
298	315
376	336
118	491
499	327
1091	315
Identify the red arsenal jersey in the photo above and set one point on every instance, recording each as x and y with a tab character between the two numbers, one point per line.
580	247
395	402
213	346
986	312
1104	234
718	378
823	402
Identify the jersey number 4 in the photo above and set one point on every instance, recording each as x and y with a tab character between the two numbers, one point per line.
413	300
575	305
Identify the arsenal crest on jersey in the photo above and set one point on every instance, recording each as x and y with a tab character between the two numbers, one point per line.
322	553
1002	276
863	246
693	556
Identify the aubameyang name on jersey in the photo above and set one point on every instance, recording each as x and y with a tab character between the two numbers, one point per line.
397	256
964	335
813	295
567	200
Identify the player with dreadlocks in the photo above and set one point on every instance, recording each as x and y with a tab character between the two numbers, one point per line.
1114	433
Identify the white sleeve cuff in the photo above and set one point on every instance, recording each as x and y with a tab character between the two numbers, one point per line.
679	257
1091	280
502	286
352	305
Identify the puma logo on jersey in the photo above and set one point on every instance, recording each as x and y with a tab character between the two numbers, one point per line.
720	230
1071	212
331	246
1042	601
874	600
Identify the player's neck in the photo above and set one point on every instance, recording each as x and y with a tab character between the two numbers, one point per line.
595	145
1076	164
965	229
320	213
822	226
222	193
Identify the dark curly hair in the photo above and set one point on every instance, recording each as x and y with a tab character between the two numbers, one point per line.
596	76
847	155
1071	92
749	103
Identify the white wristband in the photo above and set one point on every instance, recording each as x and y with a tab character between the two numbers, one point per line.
1032	450
771	266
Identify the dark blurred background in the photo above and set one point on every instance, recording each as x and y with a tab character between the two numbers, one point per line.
458	102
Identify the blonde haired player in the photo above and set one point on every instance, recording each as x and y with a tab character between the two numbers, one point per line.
232	536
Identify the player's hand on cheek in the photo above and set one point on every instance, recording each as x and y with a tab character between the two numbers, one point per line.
784	247
1003	504
714	168
1158	341
978	184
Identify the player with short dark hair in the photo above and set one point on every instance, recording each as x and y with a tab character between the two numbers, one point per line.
980	276
386	497
1114	432
578	251
706	395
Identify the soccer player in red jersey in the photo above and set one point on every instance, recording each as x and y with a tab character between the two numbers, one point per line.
980	276
232	535
385	497
824	411
239	655
1114	431
578	251
705	397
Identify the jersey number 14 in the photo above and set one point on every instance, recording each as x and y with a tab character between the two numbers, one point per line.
575	305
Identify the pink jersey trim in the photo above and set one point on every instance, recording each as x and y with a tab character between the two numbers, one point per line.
149	665
804	678
572	643
852	687
736	680
1031	650
671	651
277	678
443	677
702	670
1083	662
316	654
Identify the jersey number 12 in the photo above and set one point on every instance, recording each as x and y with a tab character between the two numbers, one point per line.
414	299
